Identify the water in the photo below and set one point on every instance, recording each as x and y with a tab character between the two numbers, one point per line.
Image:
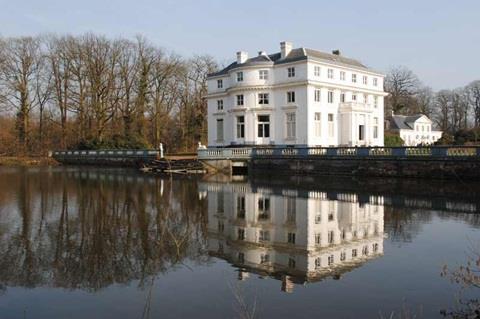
98	243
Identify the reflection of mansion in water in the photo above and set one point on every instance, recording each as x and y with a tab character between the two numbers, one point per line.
297	238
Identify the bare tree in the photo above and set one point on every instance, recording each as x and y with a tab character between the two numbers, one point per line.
473	99
402	85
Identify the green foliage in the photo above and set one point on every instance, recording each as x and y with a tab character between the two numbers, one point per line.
392	140
117	141
446	139
467	137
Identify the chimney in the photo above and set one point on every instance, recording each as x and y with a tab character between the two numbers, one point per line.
242	57
285	48
336	52
260	53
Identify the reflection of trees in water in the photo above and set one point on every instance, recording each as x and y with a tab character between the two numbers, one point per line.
403	224
88	233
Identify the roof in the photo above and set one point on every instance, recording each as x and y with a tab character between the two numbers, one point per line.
294	55
404	122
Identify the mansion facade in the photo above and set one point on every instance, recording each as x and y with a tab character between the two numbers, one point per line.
413	129
299	97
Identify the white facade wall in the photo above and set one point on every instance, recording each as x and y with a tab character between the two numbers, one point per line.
347	116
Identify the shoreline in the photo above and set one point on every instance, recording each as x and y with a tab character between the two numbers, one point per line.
27	161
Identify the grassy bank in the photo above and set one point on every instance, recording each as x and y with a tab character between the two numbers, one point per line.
26	161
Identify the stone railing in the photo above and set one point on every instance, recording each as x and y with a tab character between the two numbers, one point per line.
104	156
313	152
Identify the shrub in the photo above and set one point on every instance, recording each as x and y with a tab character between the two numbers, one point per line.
393	140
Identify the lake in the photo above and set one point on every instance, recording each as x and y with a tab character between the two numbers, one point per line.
79	242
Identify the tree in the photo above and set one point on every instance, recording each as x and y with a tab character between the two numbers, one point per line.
402	85
473	99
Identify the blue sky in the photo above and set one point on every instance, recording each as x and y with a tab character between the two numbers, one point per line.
438	39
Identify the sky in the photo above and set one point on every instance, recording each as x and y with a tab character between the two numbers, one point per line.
437	39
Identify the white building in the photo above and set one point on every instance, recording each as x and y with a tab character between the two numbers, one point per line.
413	130
299	97
296	238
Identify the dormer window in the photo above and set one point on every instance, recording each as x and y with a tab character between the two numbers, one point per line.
220	84
263	74
291	72
239	76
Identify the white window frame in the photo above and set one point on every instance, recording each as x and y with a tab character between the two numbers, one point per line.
291	125
291	97
330	74
240	100
375	82
331	125
354	78
220	130
291	72
240	76
365	79
263	98
317	119
220	84
240	126
263	74
330	97
342	75
317	95
317	70
219	105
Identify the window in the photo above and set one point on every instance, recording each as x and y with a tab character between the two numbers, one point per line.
343	256
365	99
354	78
239	76
318	262
241	207
375	127
291	238
291	206
342	97
241	126
375	101
264	258
318	124
263	208
291	263
354	253
354	97
291	125
361	132
317	95
240	100
330	96
318	218
316	70
291	97
365	80
342	75
220	84
241	234
375	82
221	226
331	127
263	126
241	258
330	73
264	235
375	247
365	250
263	74
291	72
331	260
263	98
318	239
220	130
220	203
220	105
331	237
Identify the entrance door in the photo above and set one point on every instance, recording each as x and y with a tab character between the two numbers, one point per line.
263	129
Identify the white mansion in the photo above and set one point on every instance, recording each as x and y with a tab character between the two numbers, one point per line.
414	129
299	97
